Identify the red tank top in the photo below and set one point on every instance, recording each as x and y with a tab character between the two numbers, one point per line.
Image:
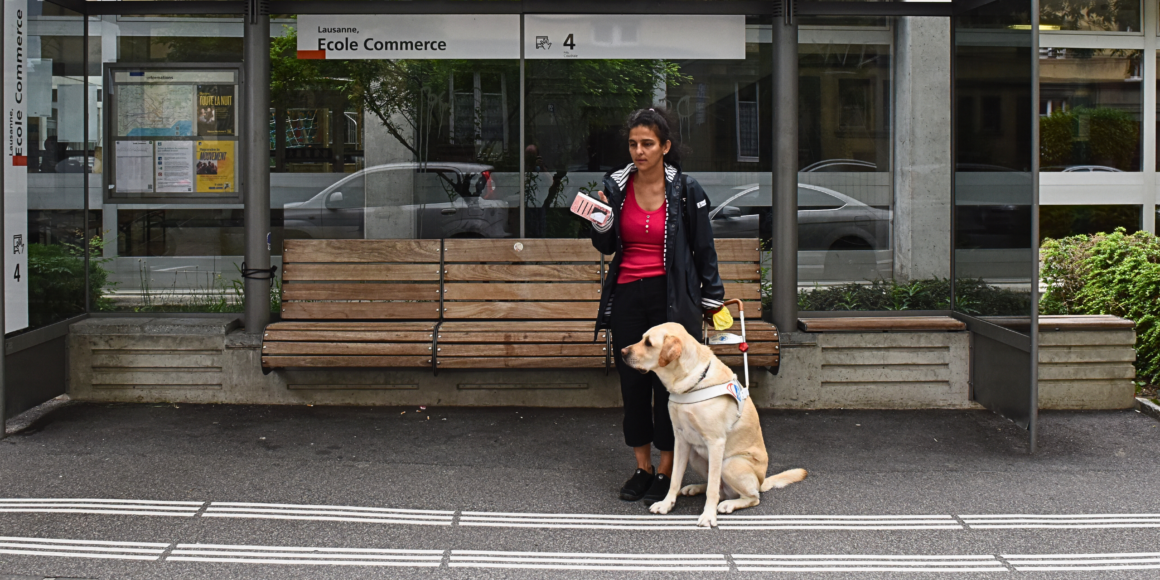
642	233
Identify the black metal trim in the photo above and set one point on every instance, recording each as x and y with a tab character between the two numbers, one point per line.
39	336
1011	338
797	8
435	348
945	9
159	7
442	309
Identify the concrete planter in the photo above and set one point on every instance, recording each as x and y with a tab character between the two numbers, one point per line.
208	360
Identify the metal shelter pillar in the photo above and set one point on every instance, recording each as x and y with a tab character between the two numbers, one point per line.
256	165
785	166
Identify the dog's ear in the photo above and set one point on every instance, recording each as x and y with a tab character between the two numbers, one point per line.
670	350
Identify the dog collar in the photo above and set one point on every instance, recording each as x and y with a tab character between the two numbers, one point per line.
732	388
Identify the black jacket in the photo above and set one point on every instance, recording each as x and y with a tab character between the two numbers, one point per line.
694	284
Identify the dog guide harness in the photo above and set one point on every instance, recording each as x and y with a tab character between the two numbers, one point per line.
733	388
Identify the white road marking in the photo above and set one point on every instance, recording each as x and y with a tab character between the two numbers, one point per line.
81	548
735	522
1083	562
1058	521
866	563
296	555
101	506
328	513
589	561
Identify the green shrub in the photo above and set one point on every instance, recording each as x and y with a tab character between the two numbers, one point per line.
1114	273
56	281
972	297
1113	137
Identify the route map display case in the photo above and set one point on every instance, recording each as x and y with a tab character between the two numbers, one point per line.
172	133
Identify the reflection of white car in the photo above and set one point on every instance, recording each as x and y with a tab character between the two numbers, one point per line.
459	196
839	165
1091	169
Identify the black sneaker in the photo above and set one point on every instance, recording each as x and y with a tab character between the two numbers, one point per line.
636	486
658	490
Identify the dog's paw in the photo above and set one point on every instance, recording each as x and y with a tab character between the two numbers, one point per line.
662	507
725	507
695	489
708	519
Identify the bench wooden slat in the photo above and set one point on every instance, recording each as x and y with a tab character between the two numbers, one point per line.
522	310
522	272
355	291
322	335
361	310
755	347
881	323
520	350
521	291
747	291
501	336
360	272
738	271
347	348
737	250
357	326
754	361
529	325
346	361
546	362
333	251
532	250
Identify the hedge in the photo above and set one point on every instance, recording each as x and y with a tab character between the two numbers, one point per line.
1114	273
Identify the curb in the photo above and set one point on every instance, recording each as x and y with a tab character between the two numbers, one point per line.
1148	408
26	419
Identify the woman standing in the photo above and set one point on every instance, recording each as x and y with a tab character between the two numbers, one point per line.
665	270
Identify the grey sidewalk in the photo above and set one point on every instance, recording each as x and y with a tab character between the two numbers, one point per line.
534	461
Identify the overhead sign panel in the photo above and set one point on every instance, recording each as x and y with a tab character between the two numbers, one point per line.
638	36
392	36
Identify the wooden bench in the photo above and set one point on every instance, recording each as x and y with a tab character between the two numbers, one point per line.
391	287
521	304
469	304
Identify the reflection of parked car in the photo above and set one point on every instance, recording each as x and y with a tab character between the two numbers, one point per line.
827	220
839	165
459	195
1089	169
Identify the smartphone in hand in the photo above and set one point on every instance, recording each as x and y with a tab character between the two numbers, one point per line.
591	209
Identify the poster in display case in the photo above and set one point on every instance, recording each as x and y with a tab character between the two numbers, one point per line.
174	130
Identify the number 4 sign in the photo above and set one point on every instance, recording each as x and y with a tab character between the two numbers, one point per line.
635	36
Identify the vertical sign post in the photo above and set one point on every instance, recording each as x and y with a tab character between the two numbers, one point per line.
14	244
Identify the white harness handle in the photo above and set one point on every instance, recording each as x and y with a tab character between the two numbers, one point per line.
733	389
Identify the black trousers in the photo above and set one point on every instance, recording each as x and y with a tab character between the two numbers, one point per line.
637	307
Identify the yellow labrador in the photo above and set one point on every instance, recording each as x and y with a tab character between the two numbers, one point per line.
720	436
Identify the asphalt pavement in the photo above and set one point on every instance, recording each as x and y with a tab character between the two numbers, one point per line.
190	492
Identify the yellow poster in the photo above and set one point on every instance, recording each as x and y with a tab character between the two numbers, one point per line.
214	167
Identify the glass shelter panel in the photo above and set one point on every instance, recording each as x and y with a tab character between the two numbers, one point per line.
63	149
996	204
845	193
1090	105
719	113
1091	15
161	253
367	146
